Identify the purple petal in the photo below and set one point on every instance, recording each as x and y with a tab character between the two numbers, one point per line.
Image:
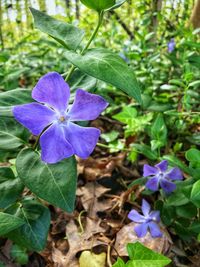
51	89
141	229
162	166
154	230
149	170
145	207
136	217
167	186
155	215
82	139
86	106
175	174
153	183
34	116
54	145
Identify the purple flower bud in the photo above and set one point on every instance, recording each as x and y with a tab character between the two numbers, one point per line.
160	175
61	137
171	45
148	221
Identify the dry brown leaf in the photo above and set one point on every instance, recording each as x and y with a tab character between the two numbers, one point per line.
127	235
90	194
93	169
78	242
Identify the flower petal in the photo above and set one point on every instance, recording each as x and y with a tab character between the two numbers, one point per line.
155	215
34	116
54	145
86	106
153	183
149	170
141	229
154	230
51	89
145	207
162	166
175	174
136	217
167	186
82	139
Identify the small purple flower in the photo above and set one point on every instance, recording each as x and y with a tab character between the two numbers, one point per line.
147	221
171	45
55	121
160	175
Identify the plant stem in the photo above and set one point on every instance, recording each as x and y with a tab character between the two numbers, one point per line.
100	19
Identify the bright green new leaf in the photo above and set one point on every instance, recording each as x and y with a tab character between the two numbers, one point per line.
9	222
141	256
99	5
55	183
108	67
66	34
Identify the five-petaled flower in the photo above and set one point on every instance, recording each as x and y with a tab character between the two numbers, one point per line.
160	175
148	221
54	120
171	45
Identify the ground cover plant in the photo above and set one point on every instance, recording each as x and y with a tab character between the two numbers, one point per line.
99	133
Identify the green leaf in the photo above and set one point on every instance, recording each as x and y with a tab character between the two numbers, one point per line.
98	5
118	4
10	187
108	67
159	129
15	97
55	183
12	134
193	155
195	194
66	34
33	234
110	137
126	115
119	263
145	150
141	256
187	211
19	254
9	222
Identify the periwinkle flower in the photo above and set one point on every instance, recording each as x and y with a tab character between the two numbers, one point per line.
160	175
55	121
148	221
171	45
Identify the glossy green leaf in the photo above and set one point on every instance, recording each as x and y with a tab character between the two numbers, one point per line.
19	254
12	134
33	234
195	194
98	5
15	97
10	187
108	67
55	183
66	34
119	263
141	256
9	222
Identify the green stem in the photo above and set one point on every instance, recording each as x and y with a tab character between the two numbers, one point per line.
100	19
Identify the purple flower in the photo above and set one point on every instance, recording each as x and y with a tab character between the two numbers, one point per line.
147	221
160	175
171	45
55	121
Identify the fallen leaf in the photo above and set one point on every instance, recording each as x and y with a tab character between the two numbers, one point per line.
78	242
127	235
89	259
90	194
